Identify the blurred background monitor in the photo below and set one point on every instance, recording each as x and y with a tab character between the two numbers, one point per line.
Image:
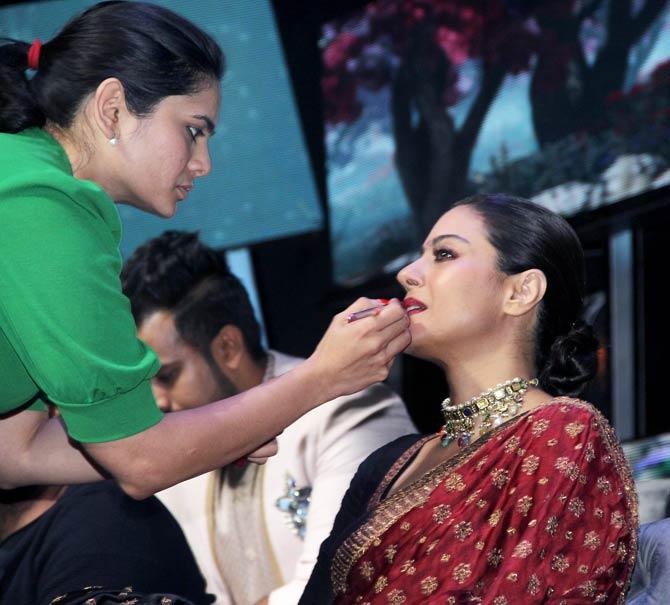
426	101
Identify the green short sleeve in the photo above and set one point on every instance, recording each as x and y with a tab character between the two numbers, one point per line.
62	310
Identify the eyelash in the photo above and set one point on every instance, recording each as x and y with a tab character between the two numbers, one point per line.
166	379
194	132
437	254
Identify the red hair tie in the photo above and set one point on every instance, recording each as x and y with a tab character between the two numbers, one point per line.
34	54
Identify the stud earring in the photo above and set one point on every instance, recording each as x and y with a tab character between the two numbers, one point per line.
113	141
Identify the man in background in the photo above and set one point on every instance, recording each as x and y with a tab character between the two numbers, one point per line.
58	539
255	530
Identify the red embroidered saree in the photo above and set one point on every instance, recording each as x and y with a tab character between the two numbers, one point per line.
542	510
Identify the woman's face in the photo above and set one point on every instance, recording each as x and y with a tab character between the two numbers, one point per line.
163	154
455	285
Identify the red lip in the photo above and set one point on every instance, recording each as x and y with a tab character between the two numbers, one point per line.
184	190
412	305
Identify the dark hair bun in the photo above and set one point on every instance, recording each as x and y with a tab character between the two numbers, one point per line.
571	362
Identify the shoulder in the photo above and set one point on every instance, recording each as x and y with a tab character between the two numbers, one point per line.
379	462
36	184
102	509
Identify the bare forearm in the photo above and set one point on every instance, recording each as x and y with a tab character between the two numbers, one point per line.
35	450
191	442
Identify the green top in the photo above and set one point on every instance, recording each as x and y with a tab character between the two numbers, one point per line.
67	336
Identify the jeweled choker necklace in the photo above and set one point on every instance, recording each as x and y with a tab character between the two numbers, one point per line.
496	405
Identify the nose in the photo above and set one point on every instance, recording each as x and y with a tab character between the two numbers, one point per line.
200	163
162	397
411	275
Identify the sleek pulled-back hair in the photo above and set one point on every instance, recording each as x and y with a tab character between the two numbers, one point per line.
178	273
154	52
528	236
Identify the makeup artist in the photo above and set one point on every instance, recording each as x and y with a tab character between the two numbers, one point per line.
119	109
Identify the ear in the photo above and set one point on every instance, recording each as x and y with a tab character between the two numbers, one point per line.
524	291
228	348
109	106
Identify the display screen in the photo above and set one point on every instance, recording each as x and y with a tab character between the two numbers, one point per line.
562	101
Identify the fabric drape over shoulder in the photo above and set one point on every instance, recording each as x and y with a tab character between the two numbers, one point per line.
542	510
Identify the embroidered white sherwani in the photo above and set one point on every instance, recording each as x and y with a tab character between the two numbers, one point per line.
245	545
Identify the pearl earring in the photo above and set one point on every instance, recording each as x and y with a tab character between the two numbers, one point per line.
113	141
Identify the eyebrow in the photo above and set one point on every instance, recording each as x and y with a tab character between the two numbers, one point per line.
439	238
208	121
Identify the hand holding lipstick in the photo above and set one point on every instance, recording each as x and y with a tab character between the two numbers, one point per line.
354	354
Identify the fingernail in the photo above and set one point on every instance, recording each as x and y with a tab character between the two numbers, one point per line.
384	301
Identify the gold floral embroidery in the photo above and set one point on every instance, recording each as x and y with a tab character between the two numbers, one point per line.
429	585
396	597
495	517
574	428
461	572
500	600
367	570
524	504
588	589
422	539
592	540
512	443
381	583
512	577
522	549
589	452
599	513
454	482
482	504
533	585
569	535
560	563
576	507
552	525
405	526
604	485
441	513
543	481
495	557
408	567
463	530
479	545
530	464
511	531
500	477
583	569
445	558
567	467
390	552
482	462
539	426
552	442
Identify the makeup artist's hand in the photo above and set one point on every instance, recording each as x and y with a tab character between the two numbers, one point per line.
265	451
352	356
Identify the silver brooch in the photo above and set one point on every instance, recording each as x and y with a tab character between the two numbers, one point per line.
295	506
